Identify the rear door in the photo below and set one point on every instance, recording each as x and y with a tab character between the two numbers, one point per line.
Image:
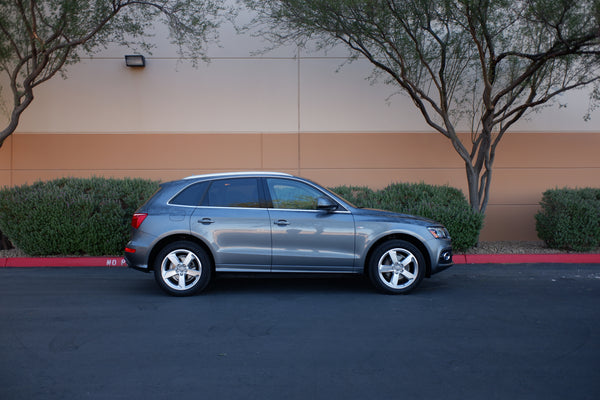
235	224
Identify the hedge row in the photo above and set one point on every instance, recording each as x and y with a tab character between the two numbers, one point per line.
444	204
569	219
72	216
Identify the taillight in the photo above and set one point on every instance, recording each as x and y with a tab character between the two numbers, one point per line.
137	219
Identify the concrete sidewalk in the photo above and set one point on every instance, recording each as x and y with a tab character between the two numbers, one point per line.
111	262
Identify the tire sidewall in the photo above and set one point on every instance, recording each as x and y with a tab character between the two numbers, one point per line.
380	251
202	256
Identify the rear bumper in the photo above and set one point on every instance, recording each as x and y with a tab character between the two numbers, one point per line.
135	259
143	268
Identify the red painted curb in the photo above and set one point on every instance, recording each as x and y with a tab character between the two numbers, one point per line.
18	262
63	262
527	258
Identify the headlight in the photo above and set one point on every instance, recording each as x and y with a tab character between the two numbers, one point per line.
439	232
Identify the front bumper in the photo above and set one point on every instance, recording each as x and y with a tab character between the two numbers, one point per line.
444	261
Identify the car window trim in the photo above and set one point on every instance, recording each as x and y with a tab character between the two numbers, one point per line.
265	201
312	211
237	208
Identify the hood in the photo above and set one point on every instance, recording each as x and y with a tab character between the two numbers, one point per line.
380	214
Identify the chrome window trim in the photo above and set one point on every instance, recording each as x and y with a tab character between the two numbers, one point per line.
229	208
312	211
258	175
263	208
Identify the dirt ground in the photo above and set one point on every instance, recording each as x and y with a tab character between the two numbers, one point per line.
513	247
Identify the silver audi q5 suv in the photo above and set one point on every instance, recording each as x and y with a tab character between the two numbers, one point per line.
273	222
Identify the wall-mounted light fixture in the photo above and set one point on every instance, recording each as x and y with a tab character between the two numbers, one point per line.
135	60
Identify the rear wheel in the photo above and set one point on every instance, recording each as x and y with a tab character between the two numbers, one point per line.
182	268
396	267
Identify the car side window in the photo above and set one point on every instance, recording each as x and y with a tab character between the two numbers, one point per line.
191	195
290	194
237	192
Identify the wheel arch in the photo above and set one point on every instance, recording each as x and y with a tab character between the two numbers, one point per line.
176	238
399	236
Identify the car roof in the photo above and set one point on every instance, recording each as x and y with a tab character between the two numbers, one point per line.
237	174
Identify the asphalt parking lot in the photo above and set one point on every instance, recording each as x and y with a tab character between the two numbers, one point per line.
472	332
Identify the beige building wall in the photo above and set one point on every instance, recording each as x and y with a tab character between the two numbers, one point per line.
371	159
285	111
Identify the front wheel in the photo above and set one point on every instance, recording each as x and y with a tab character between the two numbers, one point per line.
182	268
396	267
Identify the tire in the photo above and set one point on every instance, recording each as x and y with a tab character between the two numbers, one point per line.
396	267
182	268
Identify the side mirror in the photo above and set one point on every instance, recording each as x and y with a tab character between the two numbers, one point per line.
326	204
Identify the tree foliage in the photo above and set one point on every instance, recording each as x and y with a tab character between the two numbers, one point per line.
38	38
480	64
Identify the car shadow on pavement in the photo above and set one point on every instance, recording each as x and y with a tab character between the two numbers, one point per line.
297	284
300	284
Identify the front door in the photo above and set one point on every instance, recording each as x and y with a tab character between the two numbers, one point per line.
306	239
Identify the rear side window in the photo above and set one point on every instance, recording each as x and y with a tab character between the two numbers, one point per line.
240	192
191	195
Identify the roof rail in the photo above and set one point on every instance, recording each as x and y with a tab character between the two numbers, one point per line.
243	173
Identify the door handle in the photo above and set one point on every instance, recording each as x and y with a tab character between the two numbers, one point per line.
282	222
206	221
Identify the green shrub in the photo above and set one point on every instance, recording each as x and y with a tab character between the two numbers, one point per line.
71	216
360	196
569	219
441	203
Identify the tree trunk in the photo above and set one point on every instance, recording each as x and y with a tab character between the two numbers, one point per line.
473	182
15	116
479	185
10	128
